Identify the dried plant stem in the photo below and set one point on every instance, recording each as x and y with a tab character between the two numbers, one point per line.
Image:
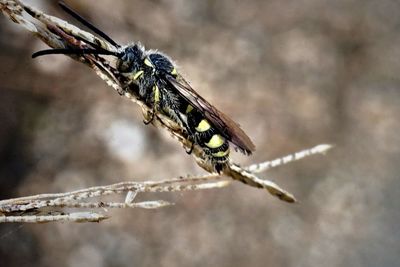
263	166
70	217
75	199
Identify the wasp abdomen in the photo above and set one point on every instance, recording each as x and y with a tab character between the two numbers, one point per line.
215	146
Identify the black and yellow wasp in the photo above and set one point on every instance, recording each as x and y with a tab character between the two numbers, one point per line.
165	91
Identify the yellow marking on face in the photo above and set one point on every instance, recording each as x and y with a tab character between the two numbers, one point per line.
137	75
188	109
215	141
203	126
148	62
174	72
221	154
156	92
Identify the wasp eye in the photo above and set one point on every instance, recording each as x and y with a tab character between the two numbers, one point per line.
123	66
124	63
129	59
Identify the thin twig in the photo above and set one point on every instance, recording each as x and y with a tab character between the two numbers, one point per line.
263	166
74	199
70	217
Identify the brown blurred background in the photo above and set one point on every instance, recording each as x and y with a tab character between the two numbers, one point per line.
294	74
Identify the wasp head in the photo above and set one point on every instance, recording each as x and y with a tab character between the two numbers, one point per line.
130	59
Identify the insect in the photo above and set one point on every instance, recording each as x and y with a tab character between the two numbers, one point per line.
165	91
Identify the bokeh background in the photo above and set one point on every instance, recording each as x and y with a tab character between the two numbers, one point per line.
294	74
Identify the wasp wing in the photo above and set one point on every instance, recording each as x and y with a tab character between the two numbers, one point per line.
229	129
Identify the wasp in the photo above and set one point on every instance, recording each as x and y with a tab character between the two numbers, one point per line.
165	91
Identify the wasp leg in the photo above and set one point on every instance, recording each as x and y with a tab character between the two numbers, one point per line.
191	149
156	104
146	122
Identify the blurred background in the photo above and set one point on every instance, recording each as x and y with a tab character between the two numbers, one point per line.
294	74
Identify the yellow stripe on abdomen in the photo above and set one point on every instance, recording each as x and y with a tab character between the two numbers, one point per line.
221	154
189	108
203	126
215	141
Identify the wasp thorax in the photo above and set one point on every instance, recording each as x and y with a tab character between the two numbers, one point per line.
130	59
161	63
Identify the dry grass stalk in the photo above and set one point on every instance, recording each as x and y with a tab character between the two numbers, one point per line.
20	209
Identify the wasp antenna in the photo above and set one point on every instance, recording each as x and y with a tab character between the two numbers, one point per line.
85	22
49	52
66	51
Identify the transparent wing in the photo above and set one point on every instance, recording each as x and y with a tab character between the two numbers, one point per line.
229	129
